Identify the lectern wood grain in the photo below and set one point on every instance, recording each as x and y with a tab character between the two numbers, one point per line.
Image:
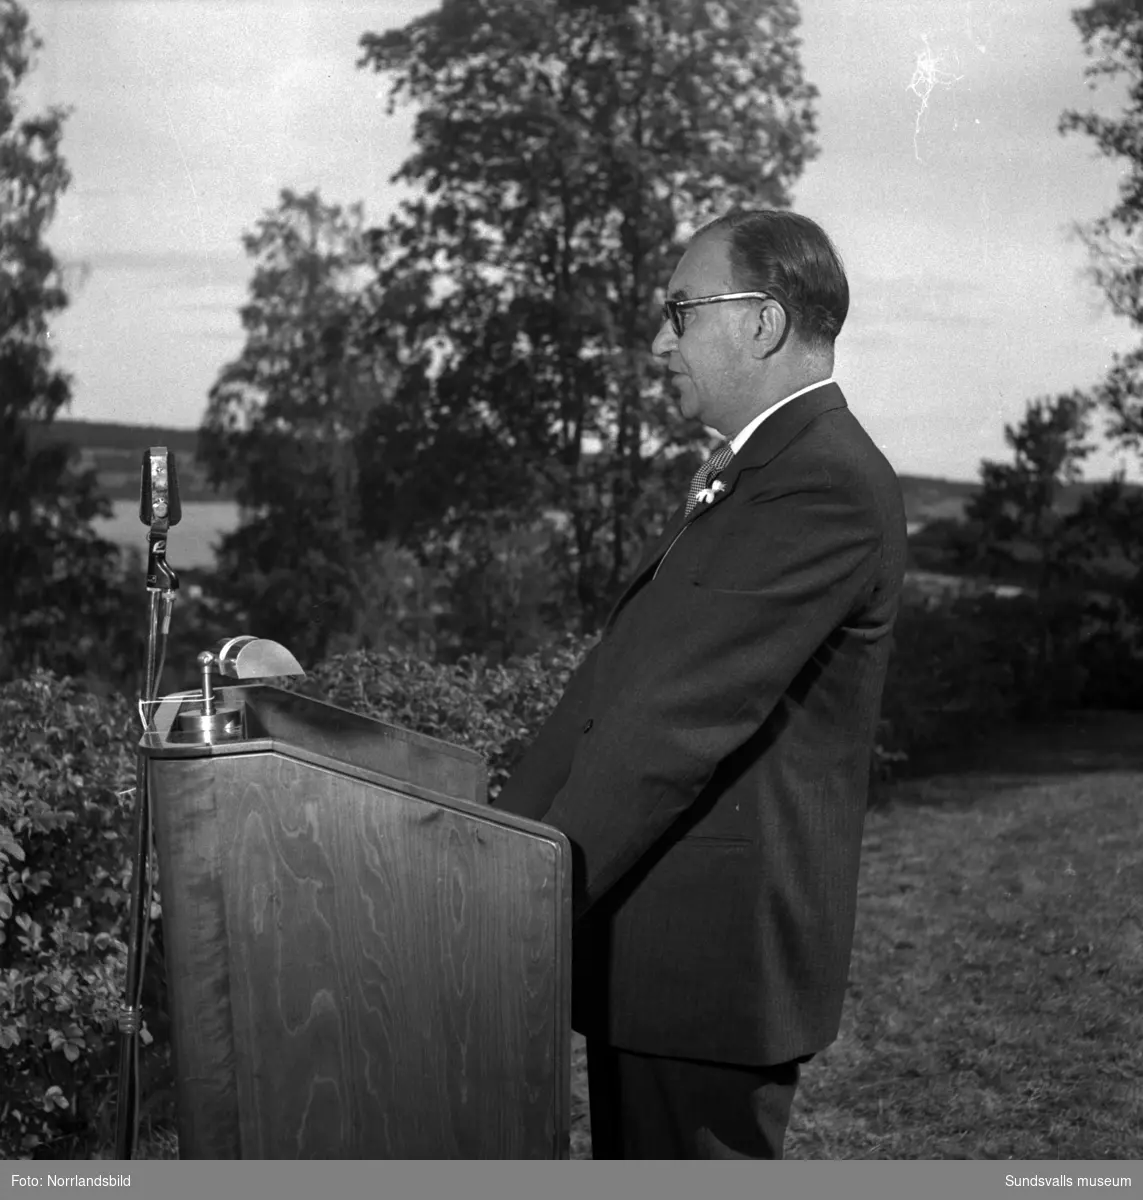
197	958
390	972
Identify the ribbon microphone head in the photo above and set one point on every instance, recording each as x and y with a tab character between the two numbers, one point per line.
159	488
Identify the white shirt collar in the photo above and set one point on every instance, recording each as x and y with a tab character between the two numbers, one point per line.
739	439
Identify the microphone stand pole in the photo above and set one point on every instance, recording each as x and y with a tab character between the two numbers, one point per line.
159	508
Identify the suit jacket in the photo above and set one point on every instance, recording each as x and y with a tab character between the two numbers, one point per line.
709	760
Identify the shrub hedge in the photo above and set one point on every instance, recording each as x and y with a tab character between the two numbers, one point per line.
66	780
492	709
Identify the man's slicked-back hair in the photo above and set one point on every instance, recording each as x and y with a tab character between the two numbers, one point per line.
789	256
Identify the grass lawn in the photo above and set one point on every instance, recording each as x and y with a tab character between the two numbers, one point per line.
995	1007
995	993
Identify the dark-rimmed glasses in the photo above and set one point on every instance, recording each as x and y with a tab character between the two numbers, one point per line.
673	309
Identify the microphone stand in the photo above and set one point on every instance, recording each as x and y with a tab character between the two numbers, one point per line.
159	509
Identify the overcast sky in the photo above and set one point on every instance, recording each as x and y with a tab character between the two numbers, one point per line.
968	294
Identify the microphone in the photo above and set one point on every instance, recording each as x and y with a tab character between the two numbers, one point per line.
159	488
159	508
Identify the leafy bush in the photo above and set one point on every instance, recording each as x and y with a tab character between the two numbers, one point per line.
973	663
492	709
1110	652
65	869
952	673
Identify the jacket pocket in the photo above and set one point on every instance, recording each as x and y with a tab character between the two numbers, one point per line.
715	841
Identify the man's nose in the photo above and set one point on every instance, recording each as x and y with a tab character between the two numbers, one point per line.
665	340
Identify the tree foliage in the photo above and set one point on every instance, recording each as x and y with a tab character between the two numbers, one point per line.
1112	516
285	419
1112	33
1071	636
61	586
1022	532
468	390
564	148
1017	514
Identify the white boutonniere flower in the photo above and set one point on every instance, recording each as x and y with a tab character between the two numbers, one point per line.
707	495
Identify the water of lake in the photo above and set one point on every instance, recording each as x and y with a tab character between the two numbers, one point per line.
191	542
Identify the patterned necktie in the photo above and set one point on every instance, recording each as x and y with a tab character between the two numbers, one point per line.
717	462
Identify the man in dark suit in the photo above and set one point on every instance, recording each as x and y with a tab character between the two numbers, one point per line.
709	760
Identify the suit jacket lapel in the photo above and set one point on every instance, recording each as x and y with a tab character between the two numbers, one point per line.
764	444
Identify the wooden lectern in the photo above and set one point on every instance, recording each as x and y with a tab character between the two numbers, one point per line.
364	960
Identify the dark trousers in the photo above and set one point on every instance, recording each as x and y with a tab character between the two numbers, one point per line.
644	1106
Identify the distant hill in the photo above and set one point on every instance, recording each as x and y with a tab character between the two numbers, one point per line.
99	435
116	454
928	499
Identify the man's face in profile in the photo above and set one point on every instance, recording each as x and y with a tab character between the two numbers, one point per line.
704	361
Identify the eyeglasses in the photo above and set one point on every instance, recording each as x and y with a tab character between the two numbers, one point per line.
673	309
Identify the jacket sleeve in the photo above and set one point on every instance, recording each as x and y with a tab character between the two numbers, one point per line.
703	663
539	775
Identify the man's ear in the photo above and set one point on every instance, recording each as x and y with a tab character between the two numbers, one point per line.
770	330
